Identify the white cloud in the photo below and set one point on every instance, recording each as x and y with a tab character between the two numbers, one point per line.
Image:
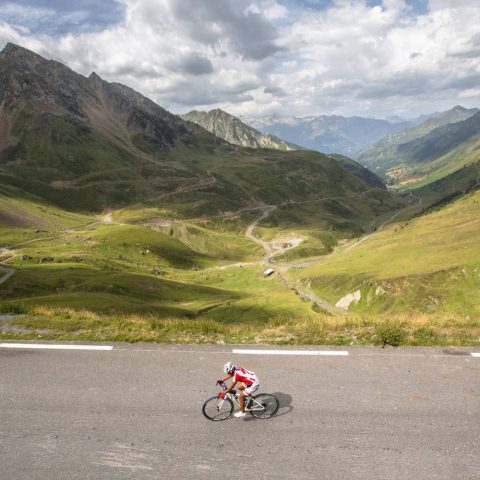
263	56
273	10
381	60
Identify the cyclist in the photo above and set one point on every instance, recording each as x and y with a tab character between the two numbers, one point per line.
248	384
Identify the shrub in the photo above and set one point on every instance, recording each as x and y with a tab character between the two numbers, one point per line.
8	308
390	332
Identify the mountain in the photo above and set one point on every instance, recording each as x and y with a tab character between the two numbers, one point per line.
79	142
422	118
395	154
111	206
110	203
359	170
234	131
86	145
328	134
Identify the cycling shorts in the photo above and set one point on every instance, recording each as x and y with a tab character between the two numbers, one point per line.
252	388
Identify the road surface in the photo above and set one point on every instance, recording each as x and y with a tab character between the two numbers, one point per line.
249	233
134	413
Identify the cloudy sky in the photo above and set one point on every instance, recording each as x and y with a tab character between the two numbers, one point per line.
374	58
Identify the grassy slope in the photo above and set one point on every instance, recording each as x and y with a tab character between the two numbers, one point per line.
24	218
465	155
429	264
116	267
396	149
104	285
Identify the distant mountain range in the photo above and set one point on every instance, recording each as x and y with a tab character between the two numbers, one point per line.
436	147
327	133
234	131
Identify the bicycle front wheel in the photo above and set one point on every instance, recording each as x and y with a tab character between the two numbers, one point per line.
264	405
217	409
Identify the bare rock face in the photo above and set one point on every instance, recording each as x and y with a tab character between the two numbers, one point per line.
348	299
52	87
234	131
47	86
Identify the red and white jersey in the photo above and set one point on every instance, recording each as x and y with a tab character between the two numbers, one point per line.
242	375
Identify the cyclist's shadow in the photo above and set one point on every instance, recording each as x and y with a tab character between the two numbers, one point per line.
285	401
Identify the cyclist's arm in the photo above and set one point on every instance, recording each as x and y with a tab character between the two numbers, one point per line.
226	378
230	388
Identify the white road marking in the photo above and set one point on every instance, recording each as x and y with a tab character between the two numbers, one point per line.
291	352
477	354
55	347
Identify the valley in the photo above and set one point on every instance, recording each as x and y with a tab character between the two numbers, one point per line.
120	221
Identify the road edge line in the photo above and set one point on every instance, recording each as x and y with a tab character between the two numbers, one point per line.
291	352
41	346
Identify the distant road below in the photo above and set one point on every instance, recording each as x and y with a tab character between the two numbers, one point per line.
134	413
7	273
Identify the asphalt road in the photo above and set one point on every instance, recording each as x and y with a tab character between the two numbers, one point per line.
135	413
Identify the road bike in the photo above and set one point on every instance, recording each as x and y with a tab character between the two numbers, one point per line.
263	405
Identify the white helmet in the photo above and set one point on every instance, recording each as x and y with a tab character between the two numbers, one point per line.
229	367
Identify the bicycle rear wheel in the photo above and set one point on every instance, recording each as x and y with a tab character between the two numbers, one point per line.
264	405
217	409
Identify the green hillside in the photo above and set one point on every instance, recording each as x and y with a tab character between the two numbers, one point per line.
410	155
427	265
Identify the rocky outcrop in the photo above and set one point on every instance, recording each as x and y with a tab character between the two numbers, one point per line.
234	131
348	299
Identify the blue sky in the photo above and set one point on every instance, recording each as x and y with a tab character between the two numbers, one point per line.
57	17
255	57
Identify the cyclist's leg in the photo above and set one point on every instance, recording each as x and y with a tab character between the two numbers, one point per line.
241	388
247	391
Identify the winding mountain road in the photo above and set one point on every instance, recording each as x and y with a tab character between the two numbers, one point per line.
8	273
249	233
303	293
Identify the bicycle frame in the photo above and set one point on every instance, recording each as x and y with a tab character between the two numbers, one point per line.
250	402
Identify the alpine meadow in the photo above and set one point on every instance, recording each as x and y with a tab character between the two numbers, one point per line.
121	221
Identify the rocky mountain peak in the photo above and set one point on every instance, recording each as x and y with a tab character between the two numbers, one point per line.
233	130
18	58
459	108
13	50
27	77
219	111
95	78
